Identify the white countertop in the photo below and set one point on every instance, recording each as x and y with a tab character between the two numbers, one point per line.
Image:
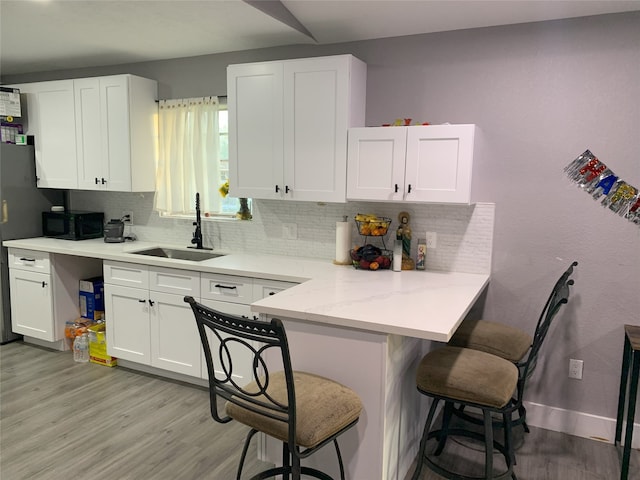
421	304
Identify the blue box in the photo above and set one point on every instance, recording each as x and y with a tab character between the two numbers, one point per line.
92	298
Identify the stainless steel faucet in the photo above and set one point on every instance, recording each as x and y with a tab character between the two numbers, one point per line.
197	234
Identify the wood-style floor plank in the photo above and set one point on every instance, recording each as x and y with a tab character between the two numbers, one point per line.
540	455
60	419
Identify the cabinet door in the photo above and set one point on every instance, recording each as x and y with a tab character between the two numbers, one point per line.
31	304
376	163
316	112
52	121
439	163
175	341
255	130
128	329
143	135
91	174
116	137
241	367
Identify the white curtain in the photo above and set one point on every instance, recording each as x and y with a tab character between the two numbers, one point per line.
188	156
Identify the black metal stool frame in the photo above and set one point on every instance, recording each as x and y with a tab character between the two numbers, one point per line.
269	335
527	366
505	449
559	297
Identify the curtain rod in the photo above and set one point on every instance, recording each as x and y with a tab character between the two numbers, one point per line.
219	96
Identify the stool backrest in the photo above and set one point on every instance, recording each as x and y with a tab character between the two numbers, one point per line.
230	335
559	296
561	281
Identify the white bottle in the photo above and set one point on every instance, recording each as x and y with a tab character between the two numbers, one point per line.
397	255
81	348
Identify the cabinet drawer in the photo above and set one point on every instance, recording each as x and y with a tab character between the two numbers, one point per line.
263	288
171	280
237	309
227	288
29	260
126	274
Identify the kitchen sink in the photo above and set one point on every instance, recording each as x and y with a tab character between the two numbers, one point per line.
193	255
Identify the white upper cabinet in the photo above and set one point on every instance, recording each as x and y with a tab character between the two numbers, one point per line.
116	118
254	101
414	164
51	120
288	124
94	133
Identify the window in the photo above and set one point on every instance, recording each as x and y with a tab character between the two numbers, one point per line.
193	158
229	205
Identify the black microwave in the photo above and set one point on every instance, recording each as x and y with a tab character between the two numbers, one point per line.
73	224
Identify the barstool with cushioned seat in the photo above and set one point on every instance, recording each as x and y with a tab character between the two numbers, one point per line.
303	410
473	378
502	340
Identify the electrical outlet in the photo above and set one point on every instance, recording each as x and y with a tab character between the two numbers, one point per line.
575	368
127	217
290	231
432	240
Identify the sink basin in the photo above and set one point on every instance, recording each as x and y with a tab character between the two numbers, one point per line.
193	255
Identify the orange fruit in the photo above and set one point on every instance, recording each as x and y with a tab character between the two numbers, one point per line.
374	266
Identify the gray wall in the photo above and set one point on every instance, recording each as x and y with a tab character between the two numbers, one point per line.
541	93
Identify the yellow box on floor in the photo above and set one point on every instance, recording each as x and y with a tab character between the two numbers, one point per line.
98	346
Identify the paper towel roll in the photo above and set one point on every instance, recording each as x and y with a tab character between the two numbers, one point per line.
343	243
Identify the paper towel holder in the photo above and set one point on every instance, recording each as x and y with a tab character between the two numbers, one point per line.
343	242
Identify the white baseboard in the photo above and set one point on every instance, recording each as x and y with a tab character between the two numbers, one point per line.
578	423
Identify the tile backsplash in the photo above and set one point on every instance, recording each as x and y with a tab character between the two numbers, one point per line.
464	232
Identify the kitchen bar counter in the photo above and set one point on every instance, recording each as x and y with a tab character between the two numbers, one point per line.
367	330
419	304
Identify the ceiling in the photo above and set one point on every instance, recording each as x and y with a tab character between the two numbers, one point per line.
44	35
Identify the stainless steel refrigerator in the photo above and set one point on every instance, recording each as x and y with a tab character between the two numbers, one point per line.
21	214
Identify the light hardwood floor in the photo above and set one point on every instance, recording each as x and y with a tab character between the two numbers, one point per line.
60	419
540	455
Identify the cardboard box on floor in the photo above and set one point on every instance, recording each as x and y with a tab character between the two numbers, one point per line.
98	346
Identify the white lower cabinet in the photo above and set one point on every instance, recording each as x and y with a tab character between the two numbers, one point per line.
45	292
175	342
32	317
127	323
148	321
264	288
233	295
240	367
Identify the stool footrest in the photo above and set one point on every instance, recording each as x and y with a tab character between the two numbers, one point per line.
456	432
